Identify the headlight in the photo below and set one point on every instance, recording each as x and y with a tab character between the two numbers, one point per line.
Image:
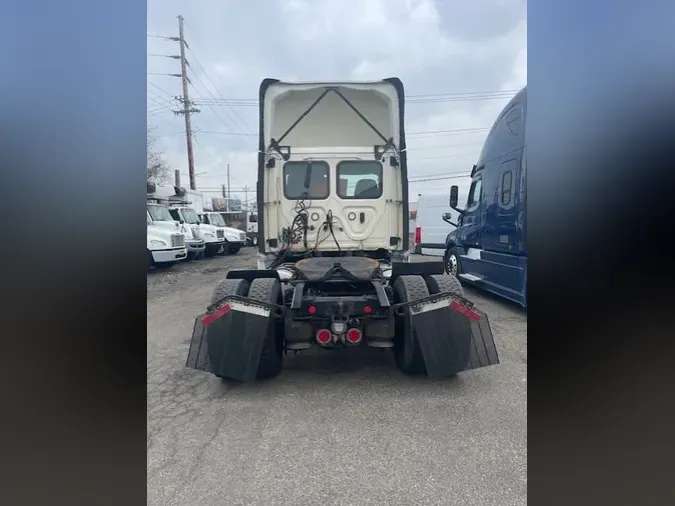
157	243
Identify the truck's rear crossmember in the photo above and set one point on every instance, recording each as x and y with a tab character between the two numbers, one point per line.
453	335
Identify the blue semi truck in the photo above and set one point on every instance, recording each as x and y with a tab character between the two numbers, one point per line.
488	247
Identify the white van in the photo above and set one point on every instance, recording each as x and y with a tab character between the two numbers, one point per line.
433	223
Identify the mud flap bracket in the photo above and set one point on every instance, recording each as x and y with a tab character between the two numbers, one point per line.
453	335
227	340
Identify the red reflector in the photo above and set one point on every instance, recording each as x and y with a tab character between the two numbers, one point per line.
211	317
323	336
418	235
367	309
472	315
354	335
311	309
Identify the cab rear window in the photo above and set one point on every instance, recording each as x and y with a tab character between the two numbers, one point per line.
297	174
359	179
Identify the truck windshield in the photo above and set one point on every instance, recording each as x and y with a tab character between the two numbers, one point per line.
159	213
216	220
190	216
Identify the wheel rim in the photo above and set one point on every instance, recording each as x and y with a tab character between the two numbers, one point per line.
451	264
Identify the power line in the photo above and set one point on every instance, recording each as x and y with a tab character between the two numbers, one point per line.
227	125
429	132
410	99
206	76
453	131
162	90
172	56
171	134
441	178
464	93
240	134
162	37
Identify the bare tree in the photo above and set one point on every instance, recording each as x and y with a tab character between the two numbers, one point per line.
159	171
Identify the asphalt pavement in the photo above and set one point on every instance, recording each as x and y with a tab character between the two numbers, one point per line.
334	428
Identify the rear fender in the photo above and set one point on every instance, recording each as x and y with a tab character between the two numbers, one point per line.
227	340
453	335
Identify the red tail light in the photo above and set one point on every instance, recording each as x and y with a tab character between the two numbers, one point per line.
367	309
353	336
311	309
323	336
418	235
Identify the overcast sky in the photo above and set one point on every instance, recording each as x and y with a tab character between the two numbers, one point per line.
448	53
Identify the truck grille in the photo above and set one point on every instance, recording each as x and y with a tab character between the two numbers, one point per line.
220	234
177	241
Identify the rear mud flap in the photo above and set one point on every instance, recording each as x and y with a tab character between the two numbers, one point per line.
227	340
452	334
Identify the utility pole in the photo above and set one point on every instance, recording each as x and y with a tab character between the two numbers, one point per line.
187	105
246	197
228	182
176	175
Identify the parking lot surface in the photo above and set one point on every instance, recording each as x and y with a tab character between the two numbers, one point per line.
334	428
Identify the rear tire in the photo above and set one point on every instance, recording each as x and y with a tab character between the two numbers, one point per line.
271	357
229	287
407	351
438	283
224	289
234	250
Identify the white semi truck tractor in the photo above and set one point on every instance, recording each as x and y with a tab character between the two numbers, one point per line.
333	225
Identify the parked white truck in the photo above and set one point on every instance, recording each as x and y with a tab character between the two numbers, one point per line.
165	246
234	238
181	204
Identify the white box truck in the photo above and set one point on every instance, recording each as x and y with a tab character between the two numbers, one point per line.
165	246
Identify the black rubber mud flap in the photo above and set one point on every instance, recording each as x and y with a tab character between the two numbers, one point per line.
227	340
453	335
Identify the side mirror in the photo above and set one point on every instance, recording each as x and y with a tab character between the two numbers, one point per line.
454	196
447	217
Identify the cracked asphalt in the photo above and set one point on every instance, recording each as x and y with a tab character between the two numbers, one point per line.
334	428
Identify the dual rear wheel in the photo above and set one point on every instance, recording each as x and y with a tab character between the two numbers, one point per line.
407	351
263	290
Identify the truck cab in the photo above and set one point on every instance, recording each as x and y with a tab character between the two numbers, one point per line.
488	248
162	217
234	238
214	240
333	232
165	246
